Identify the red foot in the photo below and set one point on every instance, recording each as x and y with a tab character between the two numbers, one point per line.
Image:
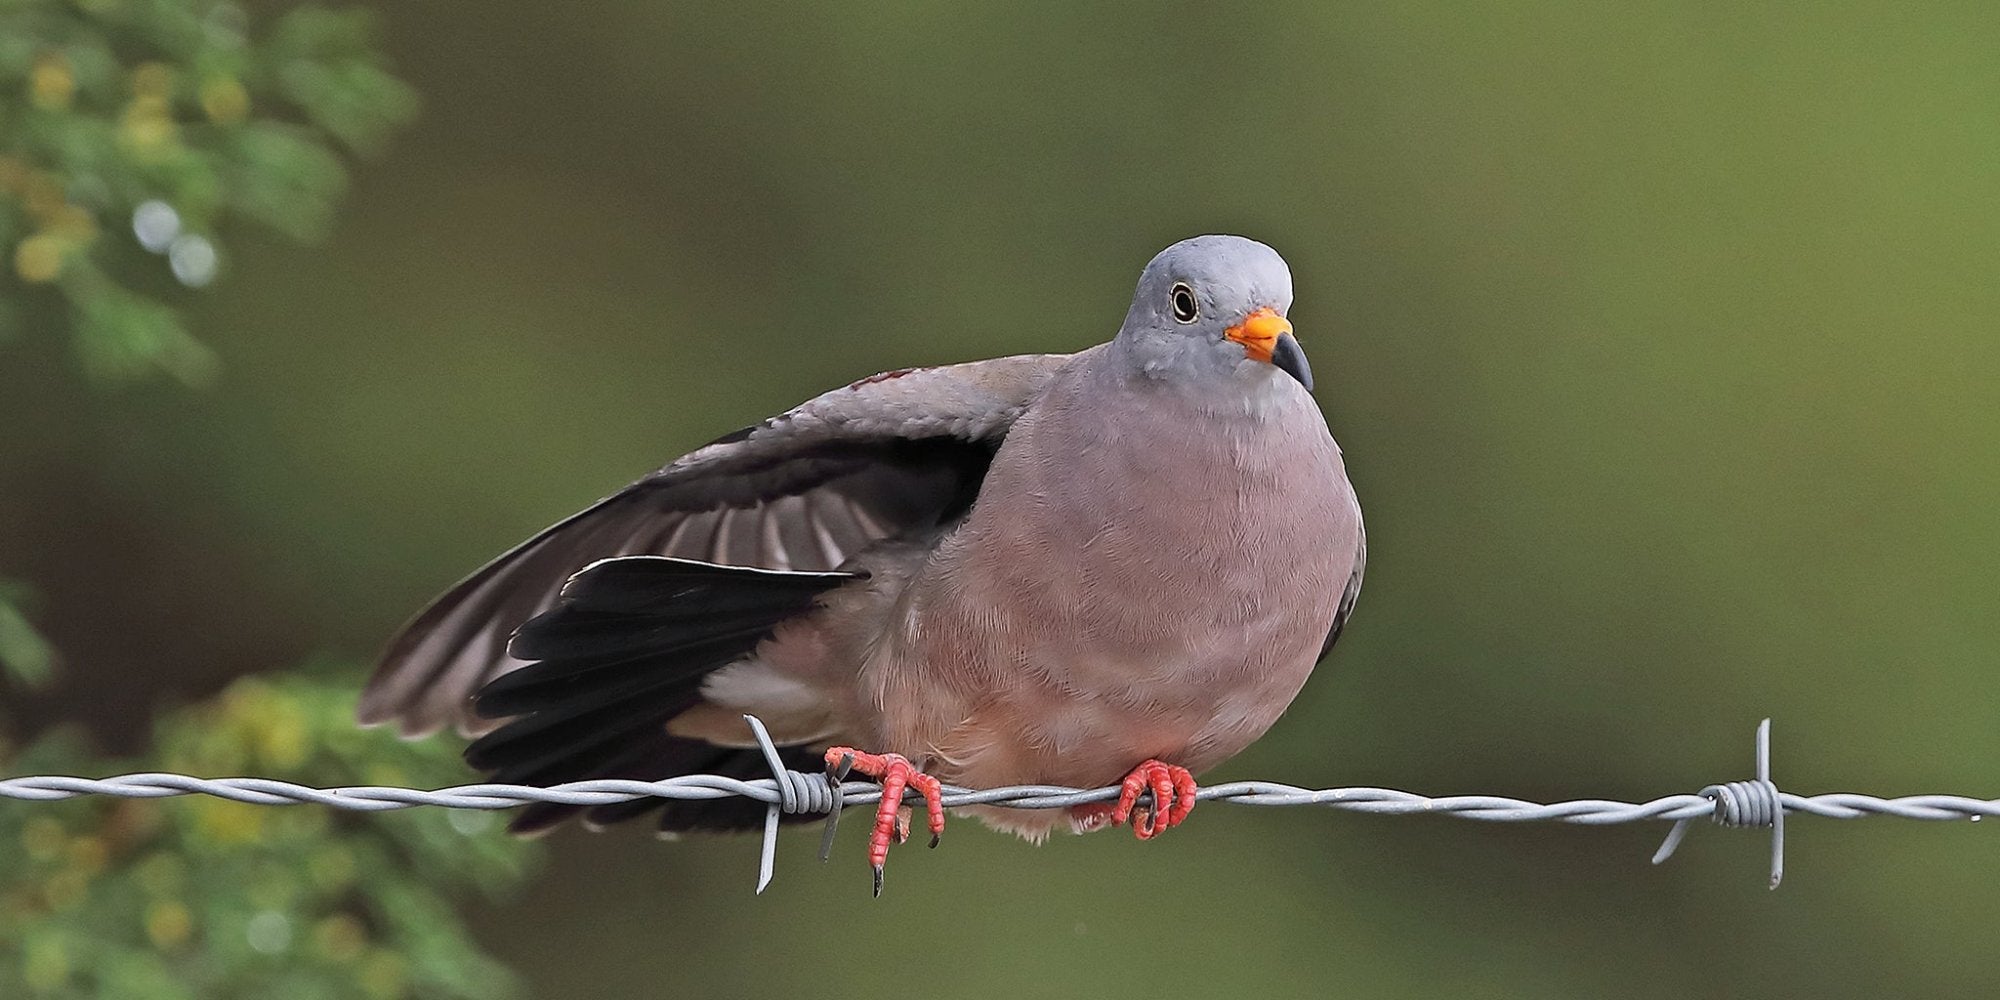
1173	798
896	773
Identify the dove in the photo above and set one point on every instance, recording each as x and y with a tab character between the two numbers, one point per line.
1112	567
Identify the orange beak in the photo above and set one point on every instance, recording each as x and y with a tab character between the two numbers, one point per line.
1259	333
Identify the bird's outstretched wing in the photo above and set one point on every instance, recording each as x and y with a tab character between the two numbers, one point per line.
890	455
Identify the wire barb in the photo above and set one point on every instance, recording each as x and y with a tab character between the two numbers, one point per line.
1744	803
798	792
1754	803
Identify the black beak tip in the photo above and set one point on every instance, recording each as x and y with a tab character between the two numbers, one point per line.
1291	359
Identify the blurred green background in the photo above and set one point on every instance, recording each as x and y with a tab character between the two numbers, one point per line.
1663	342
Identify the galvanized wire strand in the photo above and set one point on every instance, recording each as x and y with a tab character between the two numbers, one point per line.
1380	801
1754	803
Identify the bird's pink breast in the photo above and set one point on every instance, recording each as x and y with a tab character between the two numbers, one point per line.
1139	579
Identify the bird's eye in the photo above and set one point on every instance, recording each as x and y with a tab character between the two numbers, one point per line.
1185	308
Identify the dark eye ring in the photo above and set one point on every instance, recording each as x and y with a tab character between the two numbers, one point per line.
1186	310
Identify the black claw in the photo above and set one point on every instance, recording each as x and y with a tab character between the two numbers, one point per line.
878	880
839	772
934	840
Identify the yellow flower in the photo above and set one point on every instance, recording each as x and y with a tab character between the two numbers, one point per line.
168	924
228	822
39	258
225	100
87	854
281	736
74	223
51	85
148	123
247	698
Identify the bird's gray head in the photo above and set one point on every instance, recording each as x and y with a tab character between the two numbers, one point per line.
1214	305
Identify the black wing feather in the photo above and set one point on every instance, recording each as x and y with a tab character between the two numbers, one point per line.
858	494
1348	596
623	652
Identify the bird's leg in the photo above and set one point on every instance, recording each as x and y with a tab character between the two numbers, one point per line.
896	773
1173	791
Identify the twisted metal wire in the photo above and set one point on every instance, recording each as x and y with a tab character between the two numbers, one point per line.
1754	803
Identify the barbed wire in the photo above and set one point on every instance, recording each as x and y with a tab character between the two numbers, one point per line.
1753	803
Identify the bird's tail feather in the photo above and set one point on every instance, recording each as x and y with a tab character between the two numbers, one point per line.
623	652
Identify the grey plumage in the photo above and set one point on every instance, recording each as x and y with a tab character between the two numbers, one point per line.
1053	568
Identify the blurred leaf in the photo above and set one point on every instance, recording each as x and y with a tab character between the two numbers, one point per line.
24	655
214	899
108	107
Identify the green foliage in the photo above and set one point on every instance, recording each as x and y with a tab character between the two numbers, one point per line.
132	134
205	898
25	657
135	128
